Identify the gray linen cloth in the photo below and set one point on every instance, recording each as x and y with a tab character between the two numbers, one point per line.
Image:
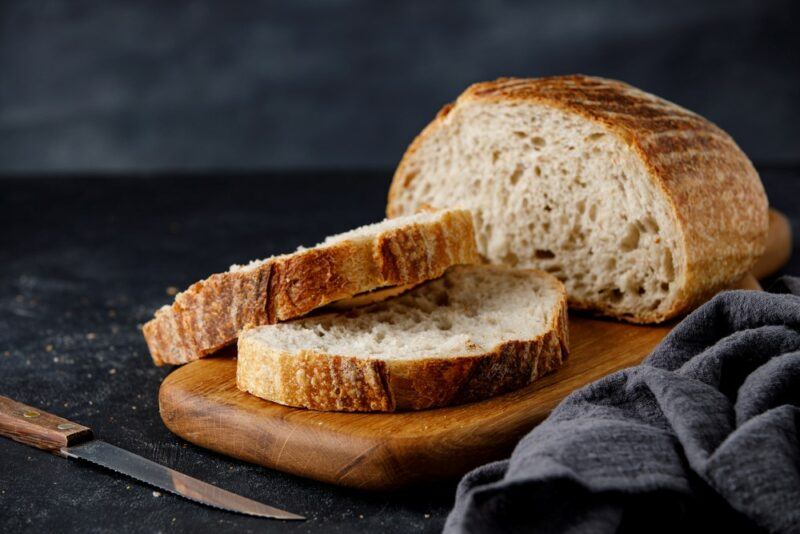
703	433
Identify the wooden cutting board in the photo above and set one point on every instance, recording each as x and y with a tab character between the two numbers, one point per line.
200	403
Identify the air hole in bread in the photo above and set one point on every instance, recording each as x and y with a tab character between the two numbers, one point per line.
669	267
538	142
537	170
514	178
575	239
443	324
631	285
664	286
409	178
616	295
594	136
510	259
593	212
495	156
650	225
630	240
543	254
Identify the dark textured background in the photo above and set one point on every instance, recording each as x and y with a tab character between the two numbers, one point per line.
132	85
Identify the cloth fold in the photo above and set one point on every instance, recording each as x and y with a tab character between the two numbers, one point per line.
705	432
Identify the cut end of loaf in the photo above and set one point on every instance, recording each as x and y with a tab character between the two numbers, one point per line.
559	194
475	332
596	182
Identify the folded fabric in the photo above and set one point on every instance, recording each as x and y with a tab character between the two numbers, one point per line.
703	433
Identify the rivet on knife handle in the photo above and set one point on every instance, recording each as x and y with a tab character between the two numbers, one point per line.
37	428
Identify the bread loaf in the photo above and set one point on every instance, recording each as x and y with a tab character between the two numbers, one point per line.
642	208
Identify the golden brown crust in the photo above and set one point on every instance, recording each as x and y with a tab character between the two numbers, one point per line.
345	383
208	316
211	313
711	186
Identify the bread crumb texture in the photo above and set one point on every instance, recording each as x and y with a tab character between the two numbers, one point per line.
642	208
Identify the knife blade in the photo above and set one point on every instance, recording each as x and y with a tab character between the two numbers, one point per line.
52	433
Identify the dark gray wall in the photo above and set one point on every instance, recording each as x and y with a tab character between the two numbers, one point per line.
139	86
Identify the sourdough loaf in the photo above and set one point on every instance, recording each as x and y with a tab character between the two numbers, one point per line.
642	208
398	252
476	332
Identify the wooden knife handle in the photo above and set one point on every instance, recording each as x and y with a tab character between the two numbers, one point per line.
38	428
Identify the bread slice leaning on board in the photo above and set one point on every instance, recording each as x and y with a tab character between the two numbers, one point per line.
400	252
642	208
476	332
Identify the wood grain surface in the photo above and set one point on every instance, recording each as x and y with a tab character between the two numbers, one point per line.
200	402
779	246
38	428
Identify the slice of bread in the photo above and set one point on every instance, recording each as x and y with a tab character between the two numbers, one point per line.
405	251
642	208
476	332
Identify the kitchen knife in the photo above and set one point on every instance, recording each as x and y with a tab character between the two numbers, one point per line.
52	433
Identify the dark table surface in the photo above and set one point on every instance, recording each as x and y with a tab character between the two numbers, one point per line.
86	261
